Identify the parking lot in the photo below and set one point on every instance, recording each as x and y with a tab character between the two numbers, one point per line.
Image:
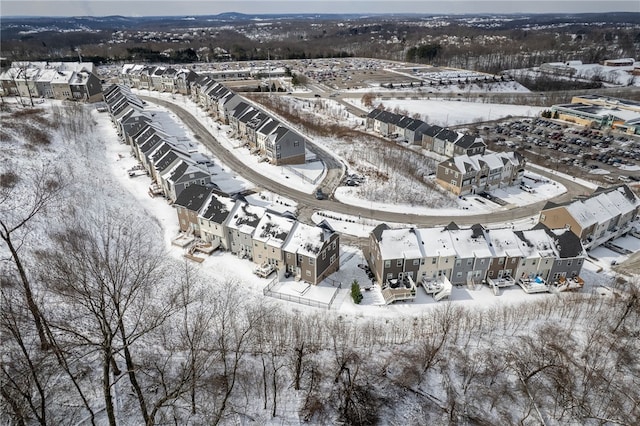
606	156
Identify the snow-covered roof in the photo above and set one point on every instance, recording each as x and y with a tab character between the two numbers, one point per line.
504	242
400	243
436	242
273	229
467	246
217	208
307	240
536	243
244	217
602	207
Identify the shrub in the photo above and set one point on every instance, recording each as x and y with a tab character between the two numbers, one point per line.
356	293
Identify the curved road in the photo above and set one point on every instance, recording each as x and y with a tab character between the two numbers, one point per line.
308	203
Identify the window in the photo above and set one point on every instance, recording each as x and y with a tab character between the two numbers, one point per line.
324	254
459	275
416	262
311	261
569	262
501	261
434	260
387	264
296	143
453	182
458	262
399	263
332	259
333	246
490	274
308	273
469	262
389	276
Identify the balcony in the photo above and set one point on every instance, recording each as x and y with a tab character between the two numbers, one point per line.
401	288
533	285
567	284
439	287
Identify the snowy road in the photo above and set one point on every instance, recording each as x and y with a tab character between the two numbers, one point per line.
308	202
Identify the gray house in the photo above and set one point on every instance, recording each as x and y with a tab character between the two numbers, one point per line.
473	254
571	254
284	146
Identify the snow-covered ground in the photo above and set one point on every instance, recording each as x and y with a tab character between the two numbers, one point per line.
448	113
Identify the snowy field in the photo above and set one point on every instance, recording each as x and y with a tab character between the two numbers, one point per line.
447	113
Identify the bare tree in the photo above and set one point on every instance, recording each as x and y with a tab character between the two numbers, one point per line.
20	206
107	276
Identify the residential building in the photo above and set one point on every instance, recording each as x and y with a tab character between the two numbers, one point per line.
604	215
188	204
269	237
312	253
463	174
241	224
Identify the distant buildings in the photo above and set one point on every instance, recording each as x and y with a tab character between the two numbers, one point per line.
468	170
601	112
54	80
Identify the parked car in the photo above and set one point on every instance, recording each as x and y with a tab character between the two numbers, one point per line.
319	194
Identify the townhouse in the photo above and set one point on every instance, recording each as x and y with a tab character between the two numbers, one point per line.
276	142
604	215
188	204
439	140
57	80
241	224
474	255
465	174
269	238
212	217
312	252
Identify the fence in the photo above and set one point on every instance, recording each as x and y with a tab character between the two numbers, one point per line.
267	291
304	178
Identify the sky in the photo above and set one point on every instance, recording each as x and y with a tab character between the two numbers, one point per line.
187	7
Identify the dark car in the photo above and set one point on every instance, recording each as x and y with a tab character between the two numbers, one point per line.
319	194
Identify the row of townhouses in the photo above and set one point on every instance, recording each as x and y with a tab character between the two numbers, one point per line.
470	256
606	214
440	140
169	79
469	169
309	253
466	174
183	176
265	135
158	78
54	80
172	164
